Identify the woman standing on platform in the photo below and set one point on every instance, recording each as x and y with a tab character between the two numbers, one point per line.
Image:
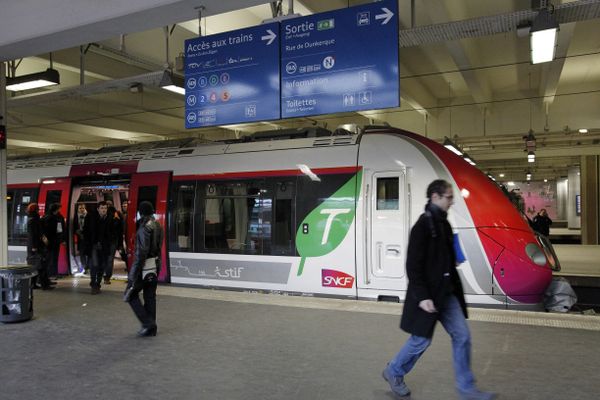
542	222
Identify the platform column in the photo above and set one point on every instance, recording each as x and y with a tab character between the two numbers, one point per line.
3	181
589	199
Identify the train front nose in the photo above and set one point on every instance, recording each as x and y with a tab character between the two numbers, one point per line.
521	268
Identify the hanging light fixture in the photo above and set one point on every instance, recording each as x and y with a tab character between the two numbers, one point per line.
172	83
528	175
543	37
450	145
37	80
468	159
531	157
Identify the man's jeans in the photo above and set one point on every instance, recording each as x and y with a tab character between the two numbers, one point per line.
453	320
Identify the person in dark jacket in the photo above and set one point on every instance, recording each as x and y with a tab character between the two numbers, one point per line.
542	222
101	244
54	230
143	275
117	239
36	248
81	228
434	294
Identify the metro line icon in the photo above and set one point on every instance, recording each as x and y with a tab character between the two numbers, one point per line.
328	62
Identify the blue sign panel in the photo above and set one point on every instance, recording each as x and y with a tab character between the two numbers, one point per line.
340	61
232	77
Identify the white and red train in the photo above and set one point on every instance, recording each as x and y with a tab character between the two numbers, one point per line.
311	214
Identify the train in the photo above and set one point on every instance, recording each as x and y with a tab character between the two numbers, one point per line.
302	211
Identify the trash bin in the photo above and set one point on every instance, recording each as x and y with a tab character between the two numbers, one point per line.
16	293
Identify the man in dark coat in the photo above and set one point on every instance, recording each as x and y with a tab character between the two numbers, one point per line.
81	229
54	229
36	248
145	269
101	244
434	294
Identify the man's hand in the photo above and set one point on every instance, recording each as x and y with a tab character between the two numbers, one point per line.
427	306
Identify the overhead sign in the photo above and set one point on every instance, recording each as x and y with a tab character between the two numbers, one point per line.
232	77
340	61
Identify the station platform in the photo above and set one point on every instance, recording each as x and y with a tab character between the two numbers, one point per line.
578	260
239	346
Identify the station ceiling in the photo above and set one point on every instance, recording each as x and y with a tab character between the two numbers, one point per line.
464	74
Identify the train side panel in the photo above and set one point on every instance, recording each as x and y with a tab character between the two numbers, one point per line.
260	183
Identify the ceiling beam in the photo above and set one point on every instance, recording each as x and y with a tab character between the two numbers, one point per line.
481	93
552	71
24	33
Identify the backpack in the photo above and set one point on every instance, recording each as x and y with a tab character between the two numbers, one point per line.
156	238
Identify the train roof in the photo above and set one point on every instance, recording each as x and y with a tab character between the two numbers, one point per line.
260	141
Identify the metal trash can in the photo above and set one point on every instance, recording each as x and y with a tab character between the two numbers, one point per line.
16	293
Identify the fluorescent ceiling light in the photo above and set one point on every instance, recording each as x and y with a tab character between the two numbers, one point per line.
452	147
468	159
172	83
33	81
583	130
543	37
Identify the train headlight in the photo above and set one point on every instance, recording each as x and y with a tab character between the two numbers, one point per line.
535	254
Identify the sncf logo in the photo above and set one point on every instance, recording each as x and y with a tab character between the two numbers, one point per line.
333	278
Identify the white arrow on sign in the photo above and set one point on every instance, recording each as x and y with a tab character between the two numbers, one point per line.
386	16
270	37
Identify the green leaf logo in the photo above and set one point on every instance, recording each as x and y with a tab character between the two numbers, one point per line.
326	226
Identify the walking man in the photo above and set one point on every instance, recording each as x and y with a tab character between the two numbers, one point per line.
434	294
143	275
101	241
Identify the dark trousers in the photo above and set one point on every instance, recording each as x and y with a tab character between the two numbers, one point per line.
108	271
97	268
37	261
146	312
52	258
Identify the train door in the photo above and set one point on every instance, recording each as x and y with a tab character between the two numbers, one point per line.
89	191
387	213
56	190
152	187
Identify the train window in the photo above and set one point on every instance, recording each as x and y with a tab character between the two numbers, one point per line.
10	195
147	193
17	230
283	239
52	196
387	193
237	217
182	216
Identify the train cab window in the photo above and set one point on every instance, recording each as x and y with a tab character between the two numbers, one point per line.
183	216
387	193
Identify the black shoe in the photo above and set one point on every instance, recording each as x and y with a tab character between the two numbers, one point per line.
106	280
48	287
36	286
150	331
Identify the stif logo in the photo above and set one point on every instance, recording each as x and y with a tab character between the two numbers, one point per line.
333	278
